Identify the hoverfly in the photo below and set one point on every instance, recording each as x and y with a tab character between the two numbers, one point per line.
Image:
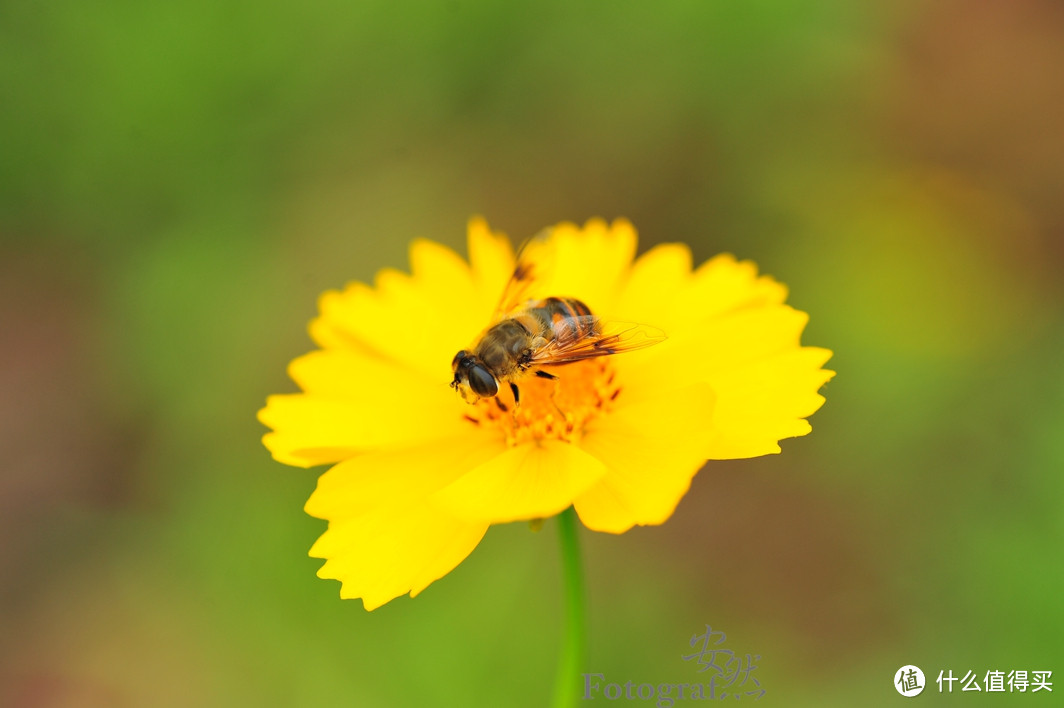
530	333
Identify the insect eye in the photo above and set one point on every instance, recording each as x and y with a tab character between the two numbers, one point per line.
482	382
458	358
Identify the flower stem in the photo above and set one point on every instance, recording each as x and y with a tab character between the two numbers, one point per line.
574	644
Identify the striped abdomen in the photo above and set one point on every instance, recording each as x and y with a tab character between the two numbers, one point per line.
566	317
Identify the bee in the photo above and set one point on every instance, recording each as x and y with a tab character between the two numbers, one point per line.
530	333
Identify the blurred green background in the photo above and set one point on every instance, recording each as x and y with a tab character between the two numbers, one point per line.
178	183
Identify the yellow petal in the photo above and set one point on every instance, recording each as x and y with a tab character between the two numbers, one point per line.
766	401
394	550
590	263
354	375
742	337
708	350
656	291
749	352
310	431
436	268
663	291
722	284
651	450
382	478
419	320
384	539
492	259
528	481
355	402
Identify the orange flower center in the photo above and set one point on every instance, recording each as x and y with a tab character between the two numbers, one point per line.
557	409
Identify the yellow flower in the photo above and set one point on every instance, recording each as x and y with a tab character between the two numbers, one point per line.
418	474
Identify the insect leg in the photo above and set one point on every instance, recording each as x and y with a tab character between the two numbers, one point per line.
553	395
517	394
544	375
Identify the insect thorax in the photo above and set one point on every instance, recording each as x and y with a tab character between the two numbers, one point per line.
503	346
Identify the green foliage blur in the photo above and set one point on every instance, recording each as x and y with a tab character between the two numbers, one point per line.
179	182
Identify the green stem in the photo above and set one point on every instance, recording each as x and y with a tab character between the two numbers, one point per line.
574	644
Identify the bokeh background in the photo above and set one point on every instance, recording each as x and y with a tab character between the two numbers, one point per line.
178	183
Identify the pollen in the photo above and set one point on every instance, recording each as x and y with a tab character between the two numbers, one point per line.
557	409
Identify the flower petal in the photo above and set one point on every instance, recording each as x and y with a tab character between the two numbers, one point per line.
417	320
722	284
376	479
656	291
492	259
748	349
766	401
706	350
652	450
384	538
527	481
355	402
590	263
764	381
394	550
310	431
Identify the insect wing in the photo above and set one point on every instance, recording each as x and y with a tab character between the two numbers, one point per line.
585	337
533	266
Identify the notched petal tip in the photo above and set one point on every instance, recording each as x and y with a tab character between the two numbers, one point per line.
426	255
491	259
279	454
727	282
596	225
651	450
393	551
